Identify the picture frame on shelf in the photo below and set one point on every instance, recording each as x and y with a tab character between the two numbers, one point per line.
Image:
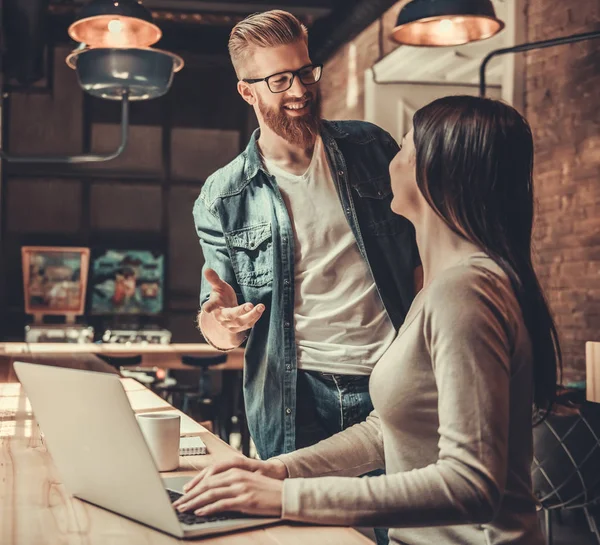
55	280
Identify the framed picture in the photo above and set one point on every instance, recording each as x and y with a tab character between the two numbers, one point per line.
55	279
127	282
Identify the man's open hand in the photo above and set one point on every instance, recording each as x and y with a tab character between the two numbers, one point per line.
223	306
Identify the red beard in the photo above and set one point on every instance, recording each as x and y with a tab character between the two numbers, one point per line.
302	130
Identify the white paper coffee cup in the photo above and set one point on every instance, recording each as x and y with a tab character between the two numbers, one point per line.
161	431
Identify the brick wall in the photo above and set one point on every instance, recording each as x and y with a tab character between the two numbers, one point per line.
562	103
563	106
343	76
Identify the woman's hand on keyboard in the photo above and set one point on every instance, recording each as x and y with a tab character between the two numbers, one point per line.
271	468
244	485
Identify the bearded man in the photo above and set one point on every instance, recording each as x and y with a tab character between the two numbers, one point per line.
304	259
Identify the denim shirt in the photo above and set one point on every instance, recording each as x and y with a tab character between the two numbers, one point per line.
246	236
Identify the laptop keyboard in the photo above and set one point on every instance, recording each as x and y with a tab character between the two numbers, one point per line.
190	518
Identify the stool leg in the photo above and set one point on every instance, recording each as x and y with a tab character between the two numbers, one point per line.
239	410
592	523
548	525
244	431
226	407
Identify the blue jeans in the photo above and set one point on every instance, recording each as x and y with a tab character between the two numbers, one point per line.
328	404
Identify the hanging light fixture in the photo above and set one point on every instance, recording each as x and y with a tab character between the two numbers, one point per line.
446	22
115	61
117	57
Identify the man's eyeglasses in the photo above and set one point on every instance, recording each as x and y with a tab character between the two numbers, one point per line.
282	81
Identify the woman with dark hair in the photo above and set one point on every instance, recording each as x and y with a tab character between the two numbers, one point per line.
455	392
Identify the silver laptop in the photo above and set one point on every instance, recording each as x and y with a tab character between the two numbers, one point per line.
94	439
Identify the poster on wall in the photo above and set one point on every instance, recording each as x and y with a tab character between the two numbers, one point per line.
127	282
54	279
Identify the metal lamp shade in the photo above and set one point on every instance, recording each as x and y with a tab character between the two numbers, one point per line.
110	72
115	23
446	22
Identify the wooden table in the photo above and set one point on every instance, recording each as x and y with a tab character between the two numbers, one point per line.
36	509
164	356
154	356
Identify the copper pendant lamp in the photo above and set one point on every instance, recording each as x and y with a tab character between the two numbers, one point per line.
116	57
437	23
114	61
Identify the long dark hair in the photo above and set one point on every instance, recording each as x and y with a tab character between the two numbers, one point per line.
474	166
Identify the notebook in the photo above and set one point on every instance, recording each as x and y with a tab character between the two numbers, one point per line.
188	446
191	446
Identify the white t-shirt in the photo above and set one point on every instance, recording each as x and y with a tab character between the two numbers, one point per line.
340	323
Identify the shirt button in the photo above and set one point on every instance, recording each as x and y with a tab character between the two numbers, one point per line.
288	411
288	367
286	282
286	324
340	172
347	210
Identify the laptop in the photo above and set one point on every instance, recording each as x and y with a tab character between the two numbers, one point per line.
94	439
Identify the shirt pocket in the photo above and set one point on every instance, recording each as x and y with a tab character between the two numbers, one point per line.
377	188
373	207
251	251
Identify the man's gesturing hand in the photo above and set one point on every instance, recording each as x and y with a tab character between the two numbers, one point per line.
223	306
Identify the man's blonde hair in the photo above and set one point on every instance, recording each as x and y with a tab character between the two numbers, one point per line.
268	29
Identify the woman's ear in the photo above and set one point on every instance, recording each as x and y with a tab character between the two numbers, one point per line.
245	90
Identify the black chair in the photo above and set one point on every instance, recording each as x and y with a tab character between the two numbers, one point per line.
566	464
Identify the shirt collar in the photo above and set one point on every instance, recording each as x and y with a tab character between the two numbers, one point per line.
254	163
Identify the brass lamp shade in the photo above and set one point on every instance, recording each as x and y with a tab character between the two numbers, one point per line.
115	23
437	23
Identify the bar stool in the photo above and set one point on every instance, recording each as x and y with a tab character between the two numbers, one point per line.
121	361
146	376
227	405
195	393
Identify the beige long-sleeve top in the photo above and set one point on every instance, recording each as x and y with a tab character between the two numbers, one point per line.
451	426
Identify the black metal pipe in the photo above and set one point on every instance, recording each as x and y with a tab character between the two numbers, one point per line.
528	47
85	158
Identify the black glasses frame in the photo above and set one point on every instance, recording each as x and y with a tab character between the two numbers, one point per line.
294	73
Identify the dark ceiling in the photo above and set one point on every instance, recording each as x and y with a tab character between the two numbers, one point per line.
200	26
188	26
